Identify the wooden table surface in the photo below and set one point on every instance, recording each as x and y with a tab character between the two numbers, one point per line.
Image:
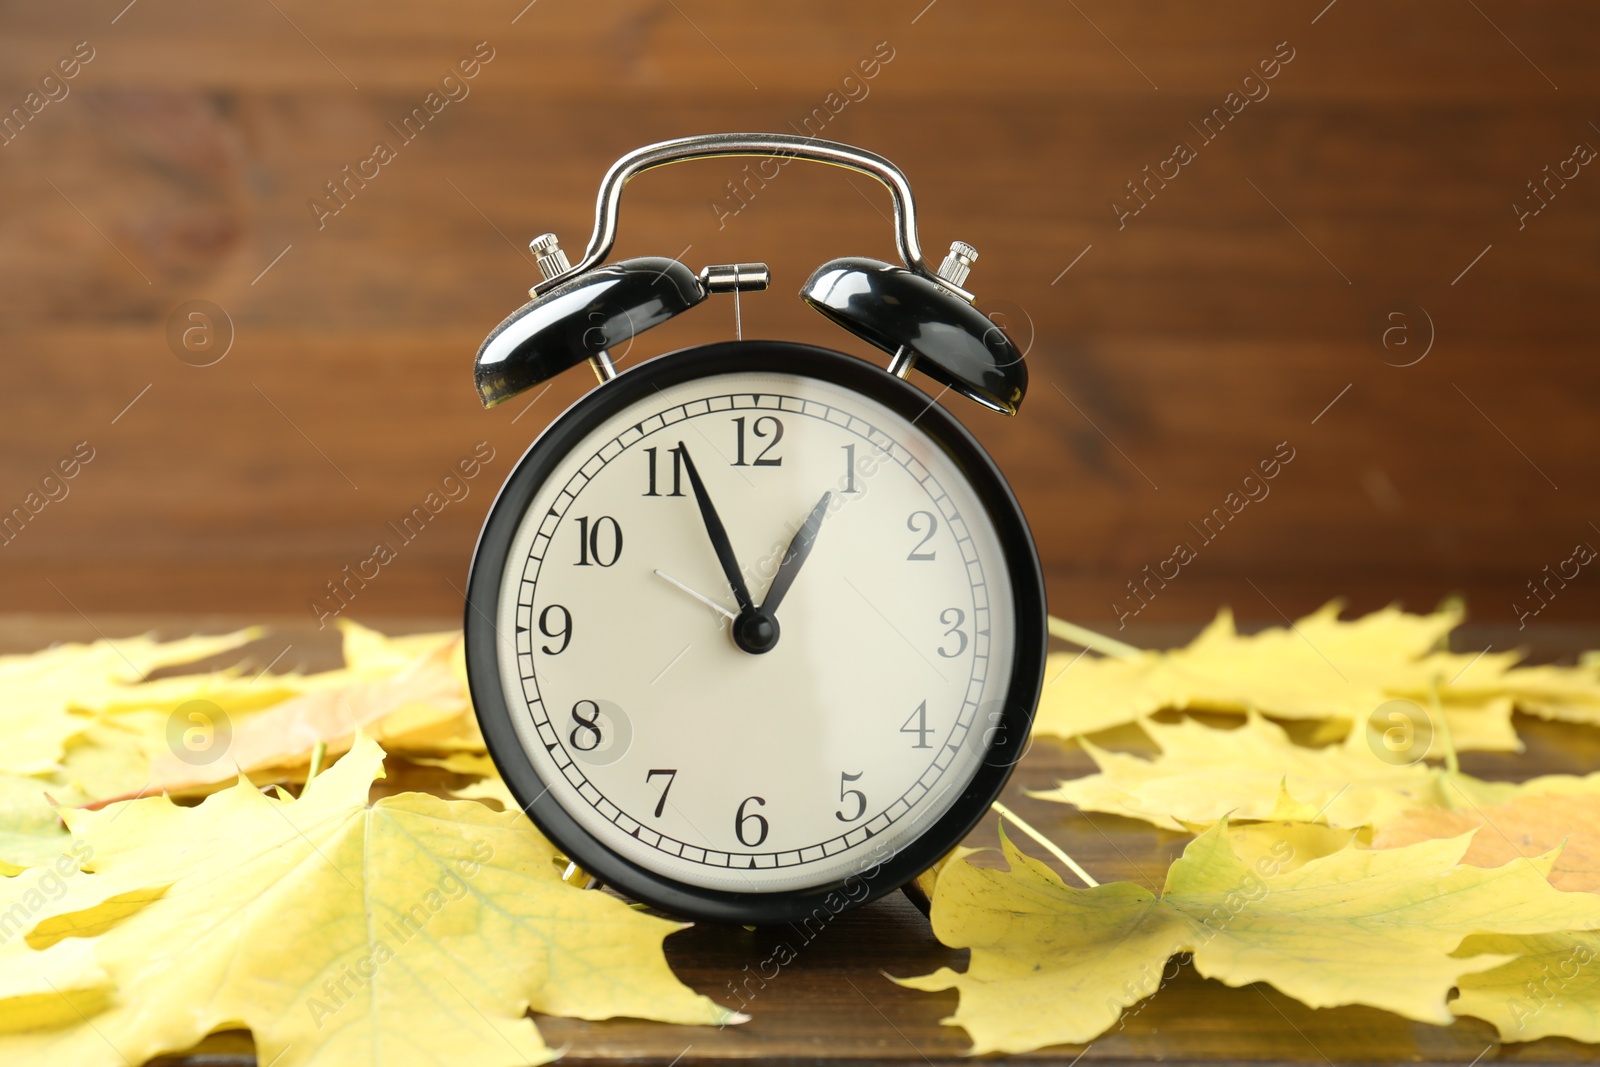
833	1003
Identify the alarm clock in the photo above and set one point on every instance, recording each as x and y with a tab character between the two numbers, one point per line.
755	630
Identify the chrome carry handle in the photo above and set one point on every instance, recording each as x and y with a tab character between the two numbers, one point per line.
552	260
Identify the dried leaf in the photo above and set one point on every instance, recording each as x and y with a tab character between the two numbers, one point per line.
1204	774
1564	694
1552	988
414	931
30	831
1053	964
1529	825
1319	668
489	786
404	692
53	695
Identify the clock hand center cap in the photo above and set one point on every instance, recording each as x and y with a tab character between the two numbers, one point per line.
755	631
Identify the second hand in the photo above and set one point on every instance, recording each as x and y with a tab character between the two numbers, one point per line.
707	601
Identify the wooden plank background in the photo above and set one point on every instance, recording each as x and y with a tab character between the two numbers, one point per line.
1176	352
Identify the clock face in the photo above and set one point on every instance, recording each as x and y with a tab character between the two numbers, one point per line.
787	734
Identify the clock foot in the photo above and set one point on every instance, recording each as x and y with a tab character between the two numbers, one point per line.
919	899
575	875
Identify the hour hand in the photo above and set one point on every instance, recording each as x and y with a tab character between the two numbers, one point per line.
717	533
795	555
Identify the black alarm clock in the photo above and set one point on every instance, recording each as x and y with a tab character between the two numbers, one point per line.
755	630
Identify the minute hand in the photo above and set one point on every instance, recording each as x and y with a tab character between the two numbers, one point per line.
718	535
795	555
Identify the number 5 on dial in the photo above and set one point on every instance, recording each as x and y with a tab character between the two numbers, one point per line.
844	794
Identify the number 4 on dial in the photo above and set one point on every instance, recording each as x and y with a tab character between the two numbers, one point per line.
921	729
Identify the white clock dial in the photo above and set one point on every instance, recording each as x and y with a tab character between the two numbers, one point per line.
734	770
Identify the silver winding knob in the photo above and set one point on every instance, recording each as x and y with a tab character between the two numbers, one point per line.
547	251
958	264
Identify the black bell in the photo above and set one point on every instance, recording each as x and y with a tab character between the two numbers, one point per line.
953	342
581	319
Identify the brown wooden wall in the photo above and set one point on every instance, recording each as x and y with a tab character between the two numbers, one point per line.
1376	172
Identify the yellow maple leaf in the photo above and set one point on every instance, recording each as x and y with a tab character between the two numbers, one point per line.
370	651
1053	964
1283	845
412	931
107	759
50	696
420	729
1255	772
489	786
132	706
1527	825
1552	988
1564	694
368	693
1318	668
393	703
30	831
407	692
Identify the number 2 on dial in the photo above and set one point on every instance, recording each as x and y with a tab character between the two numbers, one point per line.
912	524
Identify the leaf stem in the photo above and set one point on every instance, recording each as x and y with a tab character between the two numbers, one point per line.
1084	637
1049	845
1451	762
317	755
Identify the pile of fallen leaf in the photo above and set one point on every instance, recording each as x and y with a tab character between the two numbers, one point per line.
1336	864
338	930
185	851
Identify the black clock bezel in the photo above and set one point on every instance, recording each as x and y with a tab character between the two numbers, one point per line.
482	647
